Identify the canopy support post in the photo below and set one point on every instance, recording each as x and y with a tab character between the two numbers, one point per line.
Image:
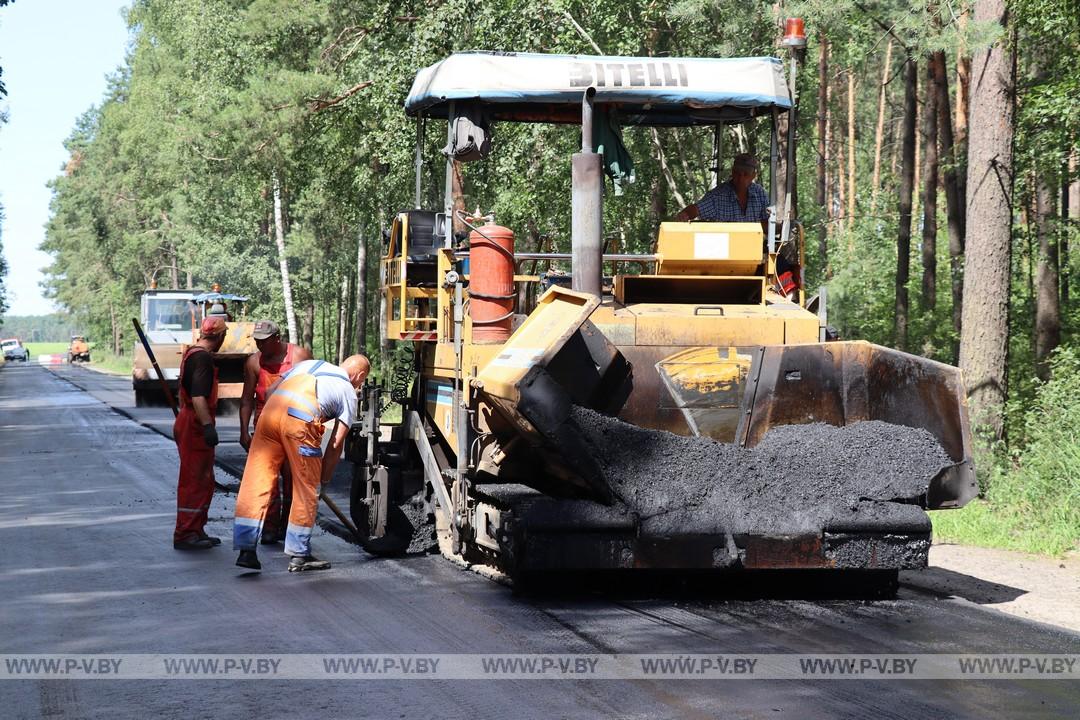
717	151
418	161
448	193
774	160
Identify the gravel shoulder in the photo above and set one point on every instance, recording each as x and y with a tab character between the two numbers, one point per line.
1033	587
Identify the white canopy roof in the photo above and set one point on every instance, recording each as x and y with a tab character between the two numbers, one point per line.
649	91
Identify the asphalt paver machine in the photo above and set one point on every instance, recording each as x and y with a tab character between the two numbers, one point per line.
711	340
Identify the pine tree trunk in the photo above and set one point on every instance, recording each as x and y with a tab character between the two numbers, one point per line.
879	132
823	152
840	175
283	264
342	305
1047	308
851	146
309	327
953	197
985	329
349	311
361	294
917	182
928	298
907	185
1070	210
115	330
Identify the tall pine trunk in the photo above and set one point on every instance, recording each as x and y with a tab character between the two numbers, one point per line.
283	263
984	339
361	293
928	297
1070	210
1047	307
954	203
879	131
823	152
907	185
342	322
851	146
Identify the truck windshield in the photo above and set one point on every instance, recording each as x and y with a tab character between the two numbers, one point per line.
169	314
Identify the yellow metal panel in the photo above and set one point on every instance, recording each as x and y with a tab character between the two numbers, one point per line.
801	330
616	322
709	248
689	325
558	314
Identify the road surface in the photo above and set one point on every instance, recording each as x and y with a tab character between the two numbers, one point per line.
88	569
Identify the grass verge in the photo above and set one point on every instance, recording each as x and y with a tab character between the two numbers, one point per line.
1031	494
105	361
44	348
987	524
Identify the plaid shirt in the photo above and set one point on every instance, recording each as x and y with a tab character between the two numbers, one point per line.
721	205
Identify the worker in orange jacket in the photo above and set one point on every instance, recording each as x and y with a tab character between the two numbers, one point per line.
290	430
196	436
261	370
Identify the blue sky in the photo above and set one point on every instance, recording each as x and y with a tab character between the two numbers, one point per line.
56	55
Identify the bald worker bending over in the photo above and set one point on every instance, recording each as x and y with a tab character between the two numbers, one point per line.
290	429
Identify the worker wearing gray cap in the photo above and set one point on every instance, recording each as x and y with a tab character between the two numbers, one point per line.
261	370
740	199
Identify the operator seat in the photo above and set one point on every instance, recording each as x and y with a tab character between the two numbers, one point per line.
424	242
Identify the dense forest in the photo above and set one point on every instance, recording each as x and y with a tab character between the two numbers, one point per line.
262	144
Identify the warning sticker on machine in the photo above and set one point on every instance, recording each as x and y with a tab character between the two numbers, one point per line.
517	357
711	246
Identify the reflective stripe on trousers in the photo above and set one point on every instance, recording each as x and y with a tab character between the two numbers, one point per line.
282	437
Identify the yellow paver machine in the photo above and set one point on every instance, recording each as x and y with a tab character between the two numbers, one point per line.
678	410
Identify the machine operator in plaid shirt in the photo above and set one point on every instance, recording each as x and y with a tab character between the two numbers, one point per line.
740	199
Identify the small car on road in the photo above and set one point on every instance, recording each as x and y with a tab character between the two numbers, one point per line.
14	350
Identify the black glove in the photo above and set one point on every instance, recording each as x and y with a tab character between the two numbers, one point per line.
210	434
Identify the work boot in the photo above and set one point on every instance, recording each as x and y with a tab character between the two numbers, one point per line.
248	559
193	543
215	541
308	562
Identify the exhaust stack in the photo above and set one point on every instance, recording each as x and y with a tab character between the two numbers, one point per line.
588	207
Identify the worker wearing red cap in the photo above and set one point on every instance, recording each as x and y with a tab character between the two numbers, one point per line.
290	430
196	436
261	370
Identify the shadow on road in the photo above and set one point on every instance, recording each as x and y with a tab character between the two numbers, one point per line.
639	584
951	583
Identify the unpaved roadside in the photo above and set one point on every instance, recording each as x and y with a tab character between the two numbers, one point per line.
1034	587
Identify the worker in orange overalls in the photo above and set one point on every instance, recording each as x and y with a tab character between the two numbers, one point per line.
261	370
290	429
196	436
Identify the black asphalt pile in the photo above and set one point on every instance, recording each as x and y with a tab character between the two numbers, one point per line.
800	478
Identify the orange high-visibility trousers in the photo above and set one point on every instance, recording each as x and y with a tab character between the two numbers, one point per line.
195	485
277	514
289	430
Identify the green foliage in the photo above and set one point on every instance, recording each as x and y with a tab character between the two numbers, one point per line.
54	328
1033	499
